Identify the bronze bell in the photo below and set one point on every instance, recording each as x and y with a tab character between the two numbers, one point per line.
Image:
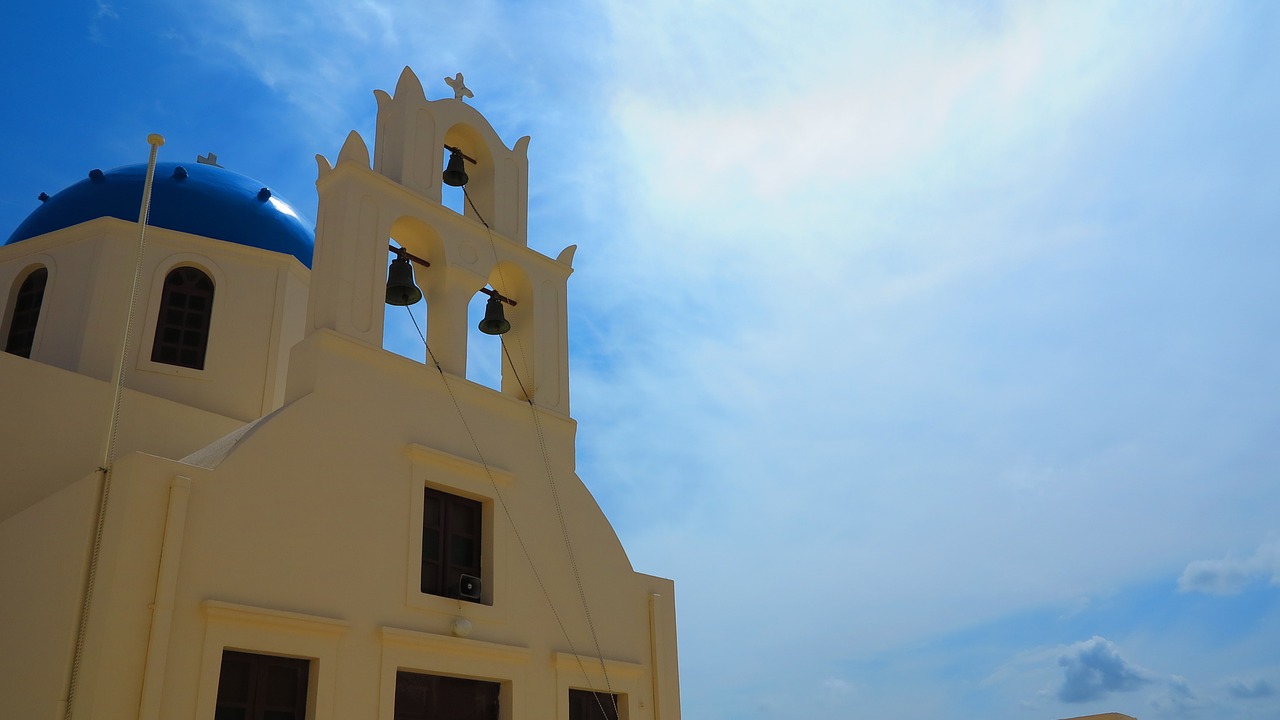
455	173
494	323
400	287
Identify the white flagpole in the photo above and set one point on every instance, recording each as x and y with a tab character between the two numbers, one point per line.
108	457
108	453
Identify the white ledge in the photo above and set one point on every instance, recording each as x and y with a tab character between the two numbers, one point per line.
459	464
452	645
591	664
219	611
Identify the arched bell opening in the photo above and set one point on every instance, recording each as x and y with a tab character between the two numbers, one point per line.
501	334
412	248
452	195
484	349
466	159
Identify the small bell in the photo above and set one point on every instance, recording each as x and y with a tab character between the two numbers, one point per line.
400	287
494	323
455	173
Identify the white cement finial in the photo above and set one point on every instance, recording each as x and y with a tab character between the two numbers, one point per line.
460	90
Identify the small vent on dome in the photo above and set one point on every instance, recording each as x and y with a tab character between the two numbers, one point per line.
44	197
179	173
264	194
96	175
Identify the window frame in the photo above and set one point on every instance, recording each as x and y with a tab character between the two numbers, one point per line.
265	631
436	654
260	665
164	314
628	681
465	478
451	507
493	687
609	700
16	290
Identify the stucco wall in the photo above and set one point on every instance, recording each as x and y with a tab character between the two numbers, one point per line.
44	552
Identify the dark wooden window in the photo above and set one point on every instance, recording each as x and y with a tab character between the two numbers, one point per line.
451	534
182	328
26	313
261	687
437	697
587	705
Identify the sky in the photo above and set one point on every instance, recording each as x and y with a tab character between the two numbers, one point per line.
930	347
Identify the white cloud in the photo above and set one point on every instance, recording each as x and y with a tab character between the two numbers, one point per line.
1094	669
1231	575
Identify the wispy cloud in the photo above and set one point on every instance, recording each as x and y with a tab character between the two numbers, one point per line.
1231	575
875	243
1094	669
1251	689
104	13
324	58
1178	699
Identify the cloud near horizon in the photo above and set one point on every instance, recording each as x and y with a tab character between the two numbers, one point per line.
1231	575
1178	699
1094	669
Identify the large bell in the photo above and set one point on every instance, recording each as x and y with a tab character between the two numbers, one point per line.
455	173
400	287
494	323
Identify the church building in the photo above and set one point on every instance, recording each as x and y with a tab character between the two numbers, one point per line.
221	498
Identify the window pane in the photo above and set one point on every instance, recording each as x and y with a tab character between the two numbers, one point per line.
281	685
451	541
182	324
261	687
587	705
233	683
437	697
26	313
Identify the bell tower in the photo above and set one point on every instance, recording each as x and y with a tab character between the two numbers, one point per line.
396	200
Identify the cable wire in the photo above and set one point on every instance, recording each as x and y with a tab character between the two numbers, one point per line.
506	508
546	460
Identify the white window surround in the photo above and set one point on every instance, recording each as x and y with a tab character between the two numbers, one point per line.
152	314
585	672
465	478
230	626
432	654
14	283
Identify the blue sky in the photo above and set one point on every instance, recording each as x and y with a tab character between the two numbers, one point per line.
931	347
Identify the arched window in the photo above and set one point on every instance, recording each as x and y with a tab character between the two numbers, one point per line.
182	327
26	313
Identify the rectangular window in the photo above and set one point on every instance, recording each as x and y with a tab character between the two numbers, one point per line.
587	705
261	687
438	697
451	533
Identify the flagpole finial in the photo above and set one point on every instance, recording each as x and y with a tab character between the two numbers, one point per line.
155	139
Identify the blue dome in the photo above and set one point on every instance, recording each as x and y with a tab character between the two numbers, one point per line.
198	199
